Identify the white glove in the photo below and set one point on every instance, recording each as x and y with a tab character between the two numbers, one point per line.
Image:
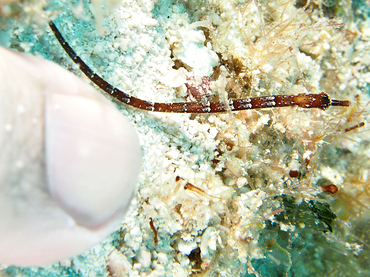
69	162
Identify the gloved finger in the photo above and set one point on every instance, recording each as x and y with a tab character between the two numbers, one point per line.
68	162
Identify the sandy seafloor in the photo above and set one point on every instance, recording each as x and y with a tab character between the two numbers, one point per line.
250	216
